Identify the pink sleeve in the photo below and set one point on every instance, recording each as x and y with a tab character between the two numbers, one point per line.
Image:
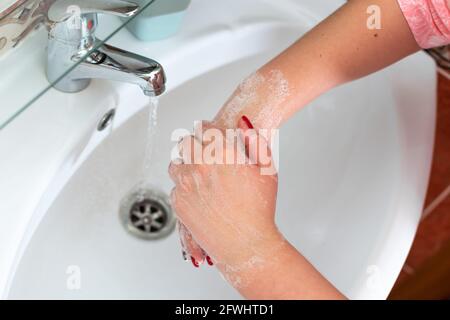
429	21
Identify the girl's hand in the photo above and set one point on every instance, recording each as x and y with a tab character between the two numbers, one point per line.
190	248
229	211
228	208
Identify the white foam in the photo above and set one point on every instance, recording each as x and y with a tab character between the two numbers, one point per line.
271	113
265	92
246	94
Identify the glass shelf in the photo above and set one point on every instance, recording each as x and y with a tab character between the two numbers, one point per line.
22	68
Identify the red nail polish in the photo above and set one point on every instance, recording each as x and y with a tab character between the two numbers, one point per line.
194	262
247	122
209	260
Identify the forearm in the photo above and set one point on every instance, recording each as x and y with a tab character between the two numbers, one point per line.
280	273
338	50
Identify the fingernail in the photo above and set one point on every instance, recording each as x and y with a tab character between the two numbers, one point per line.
194	262
247	122
209	260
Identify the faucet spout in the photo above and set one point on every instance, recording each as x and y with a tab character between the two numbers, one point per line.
111	63
73	42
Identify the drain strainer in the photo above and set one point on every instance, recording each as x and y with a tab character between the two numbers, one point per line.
147	214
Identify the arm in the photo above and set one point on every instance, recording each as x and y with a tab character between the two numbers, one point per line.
338	50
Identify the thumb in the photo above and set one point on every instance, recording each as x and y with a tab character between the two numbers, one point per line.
257	148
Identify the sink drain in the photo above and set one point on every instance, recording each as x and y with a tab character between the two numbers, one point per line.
147	214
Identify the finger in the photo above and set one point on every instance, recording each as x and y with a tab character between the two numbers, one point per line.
191	251
199	129
183	246
180	147
202	127
208	259
191	247
175	170
191	150
256	146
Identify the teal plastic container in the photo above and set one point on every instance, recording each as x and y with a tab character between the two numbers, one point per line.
159	20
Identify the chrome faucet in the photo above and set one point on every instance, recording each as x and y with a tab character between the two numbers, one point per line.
72	40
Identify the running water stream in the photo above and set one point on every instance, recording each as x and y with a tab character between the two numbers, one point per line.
152	110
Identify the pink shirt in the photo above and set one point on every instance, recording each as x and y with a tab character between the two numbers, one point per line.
429	21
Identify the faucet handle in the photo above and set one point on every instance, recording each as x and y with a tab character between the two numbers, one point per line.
61	10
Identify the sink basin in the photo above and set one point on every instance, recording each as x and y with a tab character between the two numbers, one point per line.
354	167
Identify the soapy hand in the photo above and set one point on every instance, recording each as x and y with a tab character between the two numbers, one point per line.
227	208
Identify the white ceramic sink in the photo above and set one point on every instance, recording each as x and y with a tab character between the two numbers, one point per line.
354	166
